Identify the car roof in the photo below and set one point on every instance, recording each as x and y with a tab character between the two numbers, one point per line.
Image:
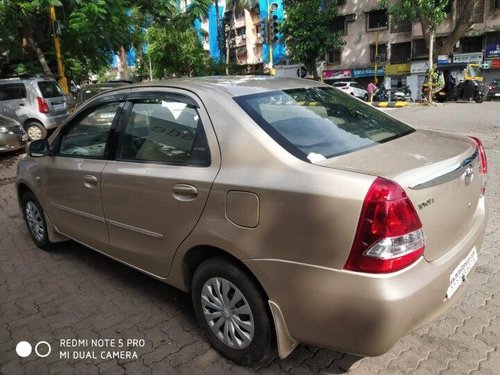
233	85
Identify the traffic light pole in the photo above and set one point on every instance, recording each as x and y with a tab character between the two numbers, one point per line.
63	82
270	39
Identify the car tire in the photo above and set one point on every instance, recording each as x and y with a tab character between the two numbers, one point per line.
35	131
365	98
246	337
34	217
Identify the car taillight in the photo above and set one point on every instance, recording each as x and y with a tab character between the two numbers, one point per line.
482	155
389	236
43	107
484	163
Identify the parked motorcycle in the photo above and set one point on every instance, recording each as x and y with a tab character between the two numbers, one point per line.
402	94
381	95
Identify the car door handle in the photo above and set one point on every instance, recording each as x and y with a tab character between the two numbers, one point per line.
90	181
21	104
184	192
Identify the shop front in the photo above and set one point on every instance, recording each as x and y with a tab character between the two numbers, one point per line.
416	79
366	75
492	62
330	76
397	75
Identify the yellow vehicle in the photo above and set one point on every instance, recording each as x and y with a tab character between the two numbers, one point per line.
460	81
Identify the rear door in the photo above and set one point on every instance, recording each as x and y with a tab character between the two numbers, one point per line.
154	192
54	96
13	101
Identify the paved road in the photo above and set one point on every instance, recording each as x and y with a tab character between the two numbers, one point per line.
74	293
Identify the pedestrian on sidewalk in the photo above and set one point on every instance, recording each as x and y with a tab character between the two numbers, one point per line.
371	90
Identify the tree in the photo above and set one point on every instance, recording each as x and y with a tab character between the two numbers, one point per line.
307	33
431	14
94	30
176	52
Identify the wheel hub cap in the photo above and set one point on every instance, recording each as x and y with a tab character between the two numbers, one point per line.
34	132
34	220
227	313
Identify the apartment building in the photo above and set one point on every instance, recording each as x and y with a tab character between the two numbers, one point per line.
248	40
399	50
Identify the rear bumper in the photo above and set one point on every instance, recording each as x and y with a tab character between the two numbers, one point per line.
360	313
52	122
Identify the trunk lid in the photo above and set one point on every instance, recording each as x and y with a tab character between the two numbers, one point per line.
440	174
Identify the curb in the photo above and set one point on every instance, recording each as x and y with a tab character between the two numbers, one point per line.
390	104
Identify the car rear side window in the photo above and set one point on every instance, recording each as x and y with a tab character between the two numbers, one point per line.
50	89
88	135
164	131
318	123
12	91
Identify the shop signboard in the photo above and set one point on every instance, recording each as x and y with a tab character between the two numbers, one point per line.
492	51
474	57
443	60
337	74
367	72
397	69
419	67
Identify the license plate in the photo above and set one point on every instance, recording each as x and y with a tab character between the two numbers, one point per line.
58	107
460	273
24	138
497	94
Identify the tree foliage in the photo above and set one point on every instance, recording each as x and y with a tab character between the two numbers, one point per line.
93	30
431	14
176	52
307	32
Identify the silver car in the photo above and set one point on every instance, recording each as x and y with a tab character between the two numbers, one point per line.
38	104
12	135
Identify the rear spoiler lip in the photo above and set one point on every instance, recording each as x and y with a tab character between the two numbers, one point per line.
449	175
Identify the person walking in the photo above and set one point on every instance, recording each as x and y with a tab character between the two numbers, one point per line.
372	88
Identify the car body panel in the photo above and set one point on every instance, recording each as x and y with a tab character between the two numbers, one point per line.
12	135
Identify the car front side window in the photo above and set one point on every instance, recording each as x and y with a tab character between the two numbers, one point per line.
88	135
164	131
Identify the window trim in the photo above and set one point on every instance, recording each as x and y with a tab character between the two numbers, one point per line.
109	149
139	96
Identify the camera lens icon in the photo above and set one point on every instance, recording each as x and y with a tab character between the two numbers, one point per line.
42	349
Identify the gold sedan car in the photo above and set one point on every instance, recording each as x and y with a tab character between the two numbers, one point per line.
290	211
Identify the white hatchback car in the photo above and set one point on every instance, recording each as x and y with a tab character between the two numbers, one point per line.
353	88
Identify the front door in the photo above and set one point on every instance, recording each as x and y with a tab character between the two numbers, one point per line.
72	177
154	193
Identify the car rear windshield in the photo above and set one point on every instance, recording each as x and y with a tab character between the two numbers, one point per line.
50	89
319	123
340	84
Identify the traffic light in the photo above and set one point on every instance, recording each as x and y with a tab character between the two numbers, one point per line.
274	23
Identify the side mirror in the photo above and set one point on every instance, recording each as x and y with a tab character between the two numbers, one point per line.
39	148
